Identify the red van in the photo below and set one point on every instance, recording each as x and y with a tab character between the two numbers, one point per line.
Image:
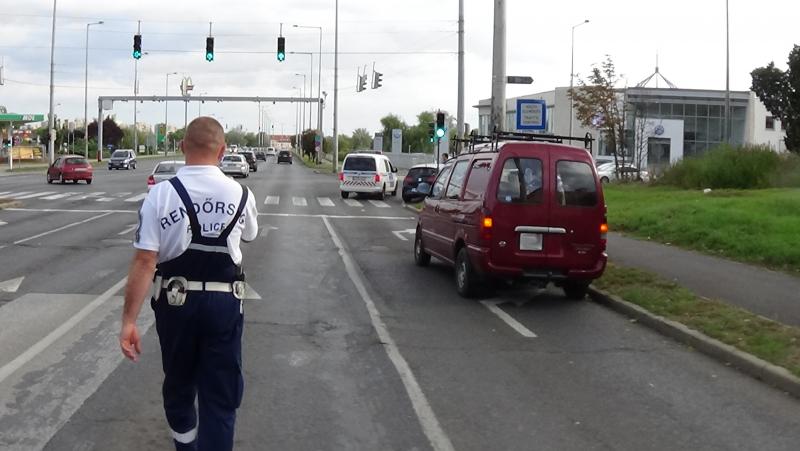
516	210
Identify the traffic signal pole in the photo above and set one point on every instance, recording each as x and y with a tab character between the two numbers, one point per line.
498	115
460	110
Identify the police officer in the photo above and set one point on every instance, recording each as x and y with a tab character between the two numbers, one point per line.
189	234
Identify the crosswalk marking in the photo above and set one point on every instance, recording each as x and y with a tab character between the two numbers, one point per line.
123	194
58	196
3	193
30	196
86	196
136	198
272	200
299	201
325	202
16	195
105	199
352	202
379	203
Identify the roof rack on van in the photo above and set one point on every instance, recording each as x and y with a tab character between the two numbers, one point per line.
494	140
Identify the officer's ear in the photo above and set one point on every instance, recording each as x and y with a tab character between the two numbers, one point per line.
221	152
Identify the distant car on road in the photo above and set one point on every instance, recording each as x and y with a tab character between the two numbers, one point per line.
122	159
284	156
164	170
70	167
417	174
607	172
368	173
235	164
250	156
261	155
271	152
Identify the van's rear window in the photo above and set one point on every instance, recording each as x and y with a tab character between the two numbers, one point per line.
421	172
575	184
359	164
521	181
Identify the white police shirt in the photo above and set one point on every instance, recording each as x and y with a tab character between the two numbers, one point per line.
165	229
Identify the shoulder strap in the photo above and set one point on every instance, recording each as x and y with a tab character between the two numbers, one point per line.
242	204
187	204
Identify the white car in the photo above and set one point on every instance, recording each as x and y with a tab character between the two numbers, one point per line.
235	165
164	170
368	173
607	172
271	152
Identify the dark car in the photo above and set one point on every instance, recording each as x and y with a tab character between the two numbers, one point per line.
261	155
530	211
122	159
284	156
421	173
70	168
250	156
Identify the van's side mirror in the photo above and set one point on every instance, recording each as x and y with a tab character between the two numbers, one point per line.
424	189
394	169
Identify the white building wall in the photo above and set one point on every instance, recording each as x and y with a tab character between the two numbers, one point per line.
672	130
756	131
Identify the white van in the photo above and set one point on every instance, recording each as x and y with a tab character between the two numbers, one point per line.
368	173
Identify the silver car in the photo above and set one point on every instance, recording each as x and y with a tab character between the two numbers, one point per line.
235	165
164	170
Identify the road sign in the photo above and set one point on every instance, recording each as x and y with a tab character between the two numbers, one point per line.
519	80
21	117
531	114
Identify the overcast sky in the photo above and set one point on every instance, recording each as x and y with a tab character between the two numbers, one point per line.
688	36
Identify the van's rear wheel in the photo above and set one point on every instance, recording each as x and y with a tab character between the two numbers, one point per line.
345	194
421	258
467	281
575	290
382	194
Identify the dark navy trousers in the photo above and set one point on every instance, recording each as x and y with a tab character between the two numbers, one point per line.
201	352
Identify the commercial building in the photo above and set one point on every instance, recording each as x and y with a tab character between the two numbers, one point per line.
663	124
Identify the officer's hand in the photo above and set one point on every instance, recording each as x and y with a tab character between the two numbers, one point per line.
129	341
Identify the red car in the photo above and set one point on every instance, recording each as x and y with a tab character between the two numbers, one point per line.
70	167
516	210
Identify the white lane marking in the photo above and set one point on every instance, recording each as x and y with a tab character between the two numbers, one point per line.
12	366
31	196
325	202
299	201
66	210
123	194
3	193
128	229
16	195
379	203
136	198
272	200
265	230
105	199
2	223
86	196
61	228
12	285
58	196
352	202
299	215
399	233
514	324
427	418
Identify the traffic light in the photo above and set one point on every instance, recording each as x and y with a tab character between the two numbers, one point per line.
137	46
362	83
440	130
376	79
432	131
209	49
281	48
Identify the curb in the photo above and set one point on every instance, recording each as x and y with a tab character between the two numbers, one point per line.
751	365
9	204
410	208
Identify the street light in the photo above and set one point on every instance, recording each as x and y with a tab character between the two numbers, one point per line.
303	94
572	73
319	72
166	113
297	118
310	82
86	97
200	104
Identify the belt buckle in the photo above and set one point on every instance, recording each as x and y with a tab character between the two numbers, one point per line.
239	288
176	290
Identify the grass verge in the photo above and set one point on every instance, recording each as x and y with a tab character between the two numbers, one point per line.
753	226
776	343
324	166
37	168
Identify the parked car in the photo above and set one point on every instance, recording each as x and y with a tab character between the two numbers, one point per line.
122	159
261	155
417	174
164	170
607	172
531	211
70	167
369	174
250	156
235	164
284	156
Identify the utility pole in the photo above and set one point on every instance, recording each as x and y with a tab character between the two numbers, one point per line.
460	112
51	121
727	127
336	92
572	74
498	115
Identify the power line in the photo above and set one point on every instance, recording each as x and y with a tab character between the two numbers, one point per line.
237	52
19	82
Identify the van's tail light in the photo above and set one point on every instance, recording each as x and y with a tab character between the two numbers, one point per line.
151	180
377	178
604	234
487	224
341	176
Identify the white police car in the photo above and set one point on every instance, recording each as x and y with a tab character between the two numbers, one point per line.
368	173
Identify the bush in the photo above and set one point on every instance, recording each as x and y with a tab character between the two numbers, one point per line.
729	167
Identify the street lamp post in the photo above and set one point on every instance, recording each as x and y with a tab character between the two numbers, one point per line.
572	74
51	118
319	74
200	104
166	113
86	97
336	91
303	94
297	120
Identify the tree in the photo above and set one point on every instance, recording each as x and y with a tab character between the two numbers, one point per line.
780	92
112	134
597	105
361	139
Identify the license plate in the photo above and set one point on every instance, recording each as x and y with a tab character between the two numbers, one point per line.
80	169
530	242
359	179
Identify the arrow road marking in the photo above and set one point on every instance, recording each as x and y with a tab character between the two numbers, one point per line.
11	286
399	233
493	307
265	230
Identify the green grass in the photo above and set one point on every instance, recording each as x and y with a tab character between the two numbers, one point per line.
771	341
753	226
324	166
27	168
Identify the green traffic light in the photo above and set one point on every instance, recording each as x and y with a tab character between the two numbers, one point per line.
209	56
440	133
137	54
281	56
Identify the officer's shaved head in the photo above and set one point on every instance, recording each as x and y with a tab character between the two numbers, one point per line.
204	135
